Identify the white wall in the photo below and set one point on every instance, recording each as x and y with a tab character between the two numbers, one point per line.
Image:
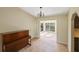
62	27
70	35
14	19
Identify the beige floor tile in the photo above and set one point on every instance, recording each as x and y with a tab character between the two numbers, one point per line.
46	43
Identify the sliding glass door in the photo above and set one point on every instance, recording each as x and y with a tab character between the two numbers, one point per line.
50	27
42	27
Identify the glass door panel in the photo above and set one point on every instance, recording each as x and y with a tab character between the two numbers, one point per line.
42	27
50	27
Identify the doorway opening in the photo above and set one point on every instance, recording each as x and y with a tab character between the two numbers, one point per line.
75	33
48	30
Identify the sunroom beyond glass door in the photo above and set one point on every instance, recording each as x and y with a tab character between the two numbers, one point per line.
50	27
42	27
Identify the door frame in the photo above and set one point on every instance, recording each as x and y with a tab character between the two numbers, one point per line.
48	20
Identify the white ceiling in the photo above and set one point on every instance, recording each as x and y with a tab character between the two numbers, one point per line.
48	11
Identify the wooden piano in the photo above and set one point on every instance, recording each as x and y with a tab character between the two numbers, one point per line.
14	41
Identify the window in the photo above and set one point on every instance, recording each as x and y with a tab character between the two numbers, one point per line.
42	26
50	27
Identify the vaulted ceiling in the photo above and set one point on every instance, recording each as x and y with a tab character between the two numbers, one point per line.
48	11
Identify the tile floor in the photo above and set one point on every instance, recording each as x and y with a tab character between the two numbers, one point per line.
46	43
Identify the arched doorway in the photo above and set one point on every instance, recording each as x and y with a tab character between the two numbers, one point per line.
74	32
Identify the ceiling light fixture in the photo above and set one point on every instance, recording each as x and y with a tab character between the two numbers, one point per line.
41	14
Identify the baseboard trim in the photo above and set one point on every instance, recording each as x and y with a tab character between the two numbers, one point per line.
35	38
62	43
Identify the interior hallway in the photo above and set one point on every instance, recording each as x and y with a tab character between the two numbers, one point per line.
46	43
